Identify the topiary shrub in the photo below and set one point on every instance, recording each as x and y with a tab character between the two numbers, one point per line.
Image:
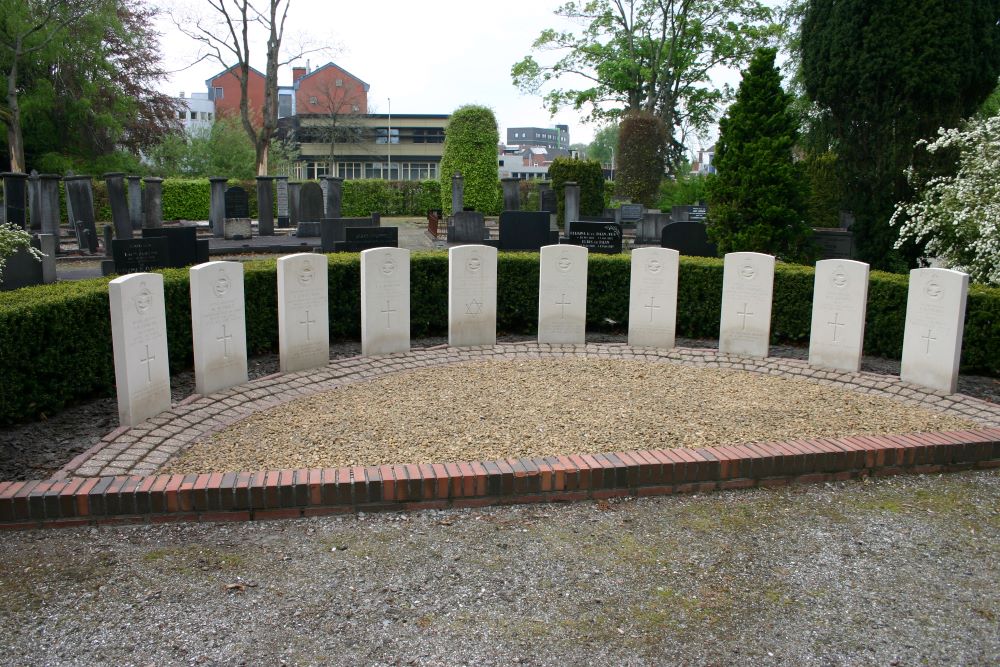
588	174
640	161
470	148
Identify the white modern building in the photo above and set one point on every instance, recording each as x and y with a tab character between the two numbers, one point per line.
198	112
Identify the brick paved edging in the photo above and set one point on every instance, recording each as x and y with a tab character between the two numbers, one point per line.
297	493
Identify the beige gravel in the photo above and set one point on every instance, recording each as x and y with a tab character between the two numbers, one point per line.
528	408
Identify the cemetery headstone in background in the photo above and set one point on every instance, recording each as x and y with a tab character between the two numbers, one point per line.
511	194
152	202
217	206
571	204
385	301
237	202
525	230
840	295
218	326
15	199
834	243
183	246
650	228
630	214
562	295
601	237
265	205
23	269
333	196
747	290
935	324
294	199
472	295
120	216
282	200
652	306
140	255
689	213
457	192
303	312
135	201
357	239
332	230
467	227
48	203
34	203
547	200
689	239
139	340
80	208
310	210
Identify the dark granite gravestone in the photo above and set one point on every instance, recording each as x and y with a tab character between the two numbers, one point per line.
467	227
547	201
311	203
457	192
237	202
48	205
15	199
217	205
294	198
688	238
332	230
21	269
511	194
265	205
182	244
120	217
650	228
834	243
135	201
630	213
80	208
34	202
334	194
281	199
594	218
602	237
140	255
152	202
365	238
525	230
693	213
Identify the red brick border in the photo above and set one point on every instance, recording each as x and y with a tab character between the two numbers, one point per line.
281	494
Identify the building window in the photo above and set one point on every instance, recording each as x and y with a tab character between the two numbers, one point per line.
218	93
419	171
382	170
210	114
312	99
315	170
430	135
349	170
355	108
340	83
382	132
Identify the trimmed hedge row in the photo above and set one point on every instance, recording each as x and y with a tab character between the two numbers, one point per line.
56	346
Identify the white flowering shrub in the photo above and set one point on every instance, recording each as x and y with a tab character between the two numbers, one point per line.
959	216
12	239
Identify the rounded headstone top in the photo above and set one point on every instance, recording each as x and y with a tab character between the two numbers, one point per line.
114	174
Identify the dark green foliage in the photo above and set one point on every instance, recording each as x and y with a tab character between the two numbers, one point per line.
756	199
585	173
74	318
639	163
823	183
886	74
470	148
684	190
412	198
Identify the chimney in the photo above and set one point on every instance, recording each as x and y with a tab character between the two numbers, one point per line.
298	73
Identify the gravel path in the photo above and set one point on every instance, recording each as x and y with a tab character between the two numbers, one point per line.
897	571
544	407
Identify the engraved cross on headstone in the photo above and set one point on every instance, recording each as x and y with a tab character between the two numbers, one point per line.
306	322
563	303
388	313
745	313
651	308
928	338
149	371
225	338
836	326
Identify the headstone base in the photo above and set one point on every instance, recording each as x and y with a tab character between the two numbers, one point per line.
308	230
238	229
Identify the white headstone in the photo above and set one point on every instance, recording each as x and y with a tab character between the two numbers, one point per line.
840	295
303	313
935	322
139	339
747	289
652	305
472	295
385	301
562	294
218	326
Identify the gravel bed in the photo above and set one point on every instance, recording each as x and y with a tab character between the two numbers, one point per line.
898	571
544	407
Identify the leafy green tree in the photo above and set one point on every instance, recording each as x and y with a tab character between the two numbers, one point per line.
642	139
604	145
648	55
683	190
756	198
222	150
958	217
885	73
470	148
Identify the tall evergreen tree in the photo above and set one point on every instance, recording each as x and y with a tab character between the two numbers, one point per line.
470	148
756	200
887	73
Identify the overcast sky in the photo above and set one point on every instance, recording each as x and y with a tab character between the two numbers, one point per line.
427	57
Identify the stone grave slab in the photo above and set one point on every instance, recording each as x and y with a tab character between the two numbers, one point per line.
385	301
935	324
472	295
218	326
630	213
311	203
358	239
834	243
689	239
139	340
652	305
747	290
135	201
601	237
840	297
467	227
524	230
80	209
15	199
182	243
303	312
547	200
649	229
332	230
140	255
217	205
281	199
562	295
119	205
238	229
237	202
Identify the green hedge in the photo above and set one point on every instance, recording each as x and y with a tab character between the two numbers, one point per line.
56	344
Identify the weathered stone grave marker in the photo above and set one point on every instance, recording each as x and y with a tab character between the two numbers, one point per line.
140	255
218	326
837	333
385	301
80	209
935	324
562	295
689	239
747	288
265	205
139	340
601	237
334	230
303	312
135	201
472	295
357	239
217	206
467	227
310	210
652	309
120	216
152	202
237	221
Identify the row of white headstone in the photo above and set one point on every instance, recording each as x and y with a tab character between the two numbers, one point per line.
932	340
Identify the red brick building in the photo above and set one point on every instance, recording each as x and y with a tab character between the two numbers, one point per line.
327	90
224	89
